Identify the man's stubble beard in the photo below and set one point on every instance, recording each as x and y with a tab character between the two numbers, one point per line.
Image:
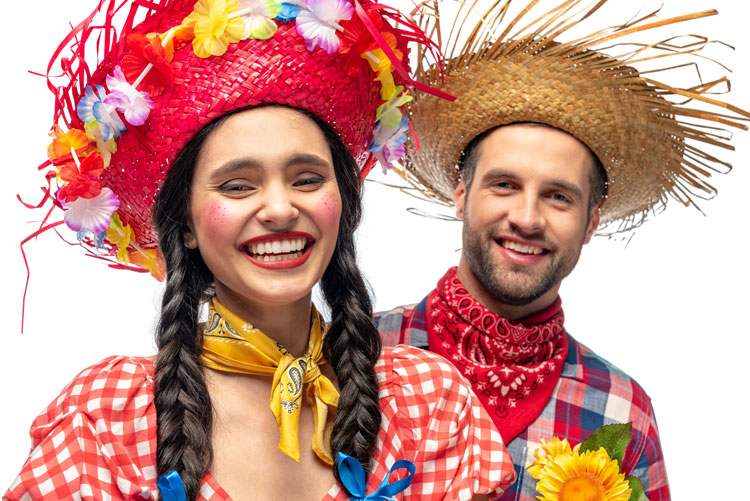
478	250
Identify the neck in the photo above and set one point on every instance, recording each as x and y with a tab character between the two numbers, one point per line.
289	324
509	311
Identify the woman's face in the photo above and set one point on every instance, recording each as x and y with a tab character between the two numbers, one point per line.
265	207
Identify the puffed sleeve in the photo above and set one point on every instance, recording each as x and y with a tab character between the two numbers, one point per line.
97	440
441	424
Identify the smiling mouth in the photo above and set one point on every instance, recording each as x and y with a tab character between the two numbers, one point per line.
532	250
277	250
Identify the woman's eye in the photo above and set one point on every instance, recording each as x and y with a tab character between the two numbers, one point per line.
235	187
309	181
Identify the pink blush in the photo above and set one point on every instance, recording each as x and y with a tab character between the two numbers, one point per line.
329	210
214	214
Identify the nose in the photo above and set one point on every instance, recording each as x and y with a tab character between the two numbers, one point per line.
278	207
526	215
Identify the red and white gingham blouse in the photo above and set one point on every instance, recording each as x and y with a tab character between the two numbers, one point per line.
97	440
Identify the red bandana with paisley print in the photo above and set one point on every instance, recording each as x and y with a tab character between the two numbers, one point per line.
513	367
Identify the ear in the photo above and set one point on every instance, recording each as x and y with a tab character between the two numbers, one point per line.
459	198
188	237
593	223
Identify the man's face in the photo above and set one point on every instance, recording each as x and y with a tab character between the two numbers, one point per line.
525	215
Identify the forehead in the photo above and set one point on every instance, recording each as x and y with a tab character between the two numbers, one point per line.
266	135
535	151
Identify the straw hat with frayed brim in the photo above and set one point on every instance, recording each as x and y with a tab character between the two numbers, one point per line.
650	137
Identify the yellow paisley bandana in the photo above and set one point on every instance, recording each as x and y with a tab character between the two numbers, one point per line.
233	345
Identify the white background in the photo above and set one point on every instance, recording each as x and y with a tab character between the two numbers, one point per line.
670	309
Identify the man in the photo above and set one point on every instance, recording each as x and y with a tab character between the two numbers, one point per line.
541	132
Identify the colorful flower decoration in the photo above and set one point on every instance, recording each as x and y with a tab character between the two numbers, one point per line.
147	51
388	143
81	156
91	214
62	143
105	148
319	21
588	471
258	16
120	235
289	10
216	26
82	179
133	104
94	108
356	40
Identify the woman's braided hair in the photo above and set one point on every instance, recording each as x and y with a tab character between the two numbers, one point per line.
352	346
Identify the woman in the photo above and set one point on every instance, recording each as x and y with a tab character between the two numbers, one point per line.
259	206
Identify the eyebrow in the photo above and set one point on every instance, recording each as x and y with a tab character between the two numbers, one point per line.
251	163
558	183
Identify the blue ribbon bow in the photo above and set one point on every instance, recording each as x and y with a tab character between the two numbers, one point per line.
171	487
353	478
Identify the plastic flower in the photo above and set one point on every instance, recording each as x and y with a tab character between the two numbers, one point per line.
574	476
92	108
145	50
289	10
376	55
91	214
58	150
135	105
151	260
389	113
120	235
216	27
105	148
81	181
258	15
356	39
318	22
388	142
177	37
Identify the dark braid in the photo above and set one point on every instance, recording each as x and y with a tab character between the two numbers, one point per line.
352	345
183	405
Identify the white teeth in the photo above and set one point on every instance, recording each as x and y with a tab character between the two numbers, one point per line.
277	249
524	249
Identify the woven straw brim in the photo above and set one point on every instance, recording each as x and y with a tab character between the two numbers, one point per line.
655	139
279	70
640	147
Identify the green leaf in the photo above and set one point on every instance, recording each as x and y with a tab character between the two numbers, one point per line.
636	490
613	437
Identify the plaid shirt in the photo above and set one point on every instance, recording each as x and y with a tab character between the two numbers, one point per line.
97	440
591	393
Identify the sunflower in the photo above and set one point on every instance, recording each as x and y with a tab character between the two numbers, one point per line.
566	474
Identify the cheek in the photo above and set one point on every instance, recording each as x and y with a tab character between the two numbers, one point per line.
214	216
328	211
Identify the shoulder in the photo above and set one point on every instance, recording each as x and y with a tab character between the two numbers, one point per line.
424	373
117	388
104	416
403	325
600	375
110	381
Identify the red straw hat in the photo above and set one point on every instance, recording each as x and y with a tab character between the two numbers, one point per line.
187	62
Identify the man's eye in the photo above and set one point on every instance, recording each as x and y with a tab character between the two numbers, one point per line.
559	197
503	185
